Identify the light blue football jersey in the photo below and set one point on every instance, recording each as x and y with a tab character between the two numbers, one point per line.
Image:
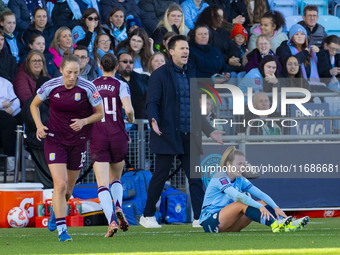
215	199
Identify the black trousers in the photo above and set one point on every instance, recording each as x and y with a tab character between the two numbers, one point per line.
39	176
8	125
159	177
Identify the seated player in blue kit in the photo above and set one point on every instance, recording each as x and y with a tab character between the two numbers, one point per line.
226	207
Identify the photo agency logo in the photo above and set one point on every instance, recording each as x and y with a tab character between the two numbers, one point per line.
288	96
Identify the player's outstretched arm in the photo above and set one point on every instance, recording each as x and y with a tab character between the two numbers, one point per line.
241	197
263	196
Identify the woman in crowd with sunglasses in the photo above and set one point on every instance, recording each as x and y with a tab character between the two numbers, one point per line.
87	30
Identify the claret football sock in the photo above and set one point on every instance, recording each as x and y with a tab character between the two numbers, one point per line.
61	225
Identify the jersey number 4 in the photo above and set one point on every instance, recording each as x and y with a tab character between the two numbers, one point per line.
108	111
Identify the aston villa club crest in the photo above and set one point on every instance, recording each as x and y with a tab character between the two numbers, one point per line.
77	96
52	156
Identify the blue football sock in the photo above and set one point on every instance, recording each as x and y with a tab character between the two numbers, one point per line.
272	211
255	215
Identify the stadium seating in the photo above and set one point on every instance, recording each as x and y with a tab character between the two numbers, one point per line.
286	7
290	21
336	8
330	3
322	6
331	24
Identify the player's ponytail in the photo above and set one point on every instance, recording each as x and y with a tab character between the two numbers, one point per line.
109	62
229	155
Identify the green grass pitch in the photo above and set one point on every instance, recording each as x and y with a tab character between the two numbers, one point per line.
321	236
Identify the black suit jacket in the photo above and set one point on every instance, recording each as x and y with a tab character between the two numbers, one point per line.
162	104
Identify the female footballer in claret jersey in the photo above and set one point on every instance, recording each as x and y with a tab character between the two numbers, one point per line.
109	144
72	100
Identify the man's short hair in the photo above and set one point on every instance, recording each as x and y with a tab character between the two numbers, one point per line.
81	47
174	39
332	39
310	7
121	52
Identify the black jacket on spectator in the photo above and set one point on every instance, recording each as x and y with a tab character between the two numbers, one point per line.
324	63
129	7
48	34
22	13
8	66
283	51
62	16
238	52
316	36
239	8
206	60
155	10
159	33
220	38
138	85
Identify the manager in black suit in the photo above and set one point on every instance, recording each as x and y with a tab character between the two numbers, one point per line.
169	112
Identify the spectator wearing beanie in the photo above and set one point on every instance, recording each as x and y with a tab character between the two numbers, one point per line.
239	36
132	24
298	46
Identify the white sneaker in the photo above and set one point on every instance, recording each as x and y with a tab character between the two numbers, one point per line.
196	224
10	163
149	222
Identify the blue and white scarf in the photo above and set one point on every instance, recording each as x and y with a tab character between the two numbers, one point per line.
91	4
314	75
74	8
102	53
119	35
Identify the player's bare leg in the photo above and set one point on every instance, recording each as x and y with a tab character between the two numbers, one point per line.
60	180
230	215
101	170
72	176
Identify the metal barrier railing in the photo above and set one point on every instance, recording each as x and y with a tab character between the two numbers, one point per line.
140	157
